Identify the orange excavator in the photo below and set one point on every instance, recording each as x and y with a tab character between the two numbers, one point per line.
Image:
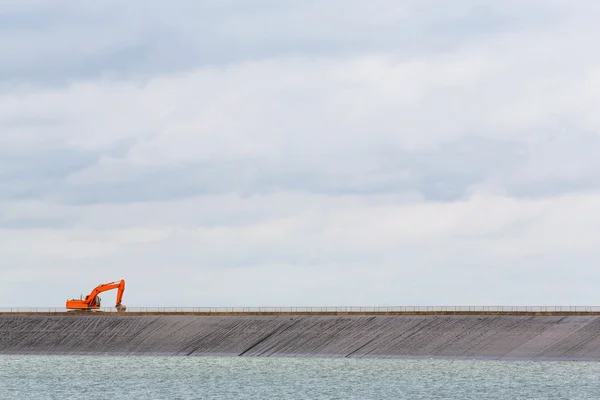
92	300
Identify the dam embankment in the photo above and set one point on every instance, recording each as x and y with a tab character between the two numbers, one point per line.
472	336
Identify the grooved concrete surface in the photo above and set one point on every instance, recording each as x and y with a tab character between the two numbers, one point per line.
453	336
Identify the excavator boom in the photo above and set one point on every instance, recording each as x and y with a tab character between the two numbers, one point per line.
92	300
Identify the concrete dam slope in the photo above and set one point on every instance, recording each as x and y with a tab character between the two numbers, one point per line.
445	336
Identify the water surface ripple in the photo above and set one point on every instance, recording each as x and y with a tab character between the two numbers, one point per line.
98	377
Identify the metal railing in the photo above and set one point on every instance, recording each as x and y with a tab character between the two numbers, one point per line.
343	309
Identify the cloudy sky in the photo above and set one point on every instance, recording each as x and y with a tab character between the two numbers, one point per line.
300	152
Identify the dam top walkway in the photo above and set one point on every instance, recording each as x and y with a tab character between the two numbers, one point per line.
329	310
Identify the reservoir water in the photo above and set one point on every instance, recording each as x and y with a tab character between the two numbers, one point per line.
108	377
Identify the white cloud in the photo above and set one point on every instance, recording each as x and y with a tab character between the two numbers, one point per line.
338	250
450	162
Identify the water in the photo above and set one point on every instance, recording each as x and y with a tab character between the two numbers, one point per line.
62	377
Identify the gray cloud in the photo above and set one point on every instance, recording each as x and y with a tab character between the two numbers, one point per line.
445	172
55	45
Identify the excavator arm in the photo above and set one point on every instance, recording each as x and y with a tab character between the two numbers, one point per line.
120	291
92	301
